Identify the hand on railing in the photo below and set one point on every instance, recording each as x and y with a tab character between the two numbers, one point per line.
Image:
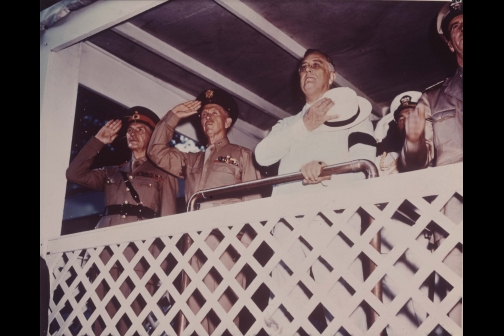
365	166
311	172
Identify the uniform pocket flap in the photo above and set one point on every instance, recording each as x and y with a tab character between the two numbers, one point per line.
225	168
147	182
442	115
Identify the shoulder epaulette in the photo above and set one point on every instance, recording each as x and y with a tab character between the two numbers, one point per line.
434	86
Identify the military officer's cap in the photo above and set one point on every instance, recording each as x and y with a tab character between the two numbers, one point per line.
408	99
221	98
445	15
141	115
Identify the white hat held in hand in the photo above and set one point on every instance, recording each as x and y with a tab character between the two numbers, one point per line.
348	110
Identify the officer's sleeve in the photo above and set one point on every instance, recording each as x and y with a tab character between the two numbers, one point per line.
361	141
279	141
416	160
165	157
79	172
249	173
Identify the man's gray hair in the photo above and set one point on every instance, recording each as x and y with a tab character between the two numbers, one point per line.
326	56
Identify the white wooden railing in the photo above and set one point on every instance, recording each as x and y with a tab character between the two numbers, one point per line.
75	306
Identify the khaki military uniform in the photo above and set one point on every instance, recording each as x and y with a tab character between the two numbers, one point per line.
157	190
444	113
443	106
199	175
192	167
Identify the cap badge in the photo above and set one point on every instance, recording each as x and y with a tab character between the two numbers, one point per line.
405	100
456	5
209	94
135	116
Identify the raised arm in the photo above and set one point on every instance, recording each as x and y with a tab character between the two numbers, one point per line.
169	158
418	150
291	130
277	143
79	172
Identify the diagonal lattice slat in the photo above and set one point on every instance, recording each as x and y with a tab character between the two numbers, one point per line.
155	266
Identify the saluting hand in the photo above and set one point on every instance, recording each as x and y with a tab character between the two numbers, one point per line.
186	109
311	172
316	115
415	124
108	133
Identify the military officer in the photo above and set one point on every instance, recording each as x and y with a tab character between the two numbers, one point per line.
390	139
223	163
434	129
434	133
134	191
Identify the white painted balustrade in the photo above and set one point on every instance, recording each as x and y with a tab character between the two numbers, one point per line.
402	206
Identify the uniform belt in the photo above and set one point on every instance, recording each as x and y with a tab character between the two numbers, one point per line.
130	210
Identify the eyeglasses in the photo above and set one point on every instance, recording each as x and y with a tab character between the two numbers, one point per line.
304	67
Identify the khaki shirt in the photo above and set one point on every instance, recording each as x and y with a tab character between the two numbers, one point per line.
200	175
443	107
156	189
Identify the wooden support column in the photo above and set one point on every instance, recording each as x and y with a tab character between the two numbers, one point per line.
58	93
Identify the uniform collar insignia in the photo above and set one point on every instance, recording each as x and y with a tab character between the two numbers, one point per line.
221	143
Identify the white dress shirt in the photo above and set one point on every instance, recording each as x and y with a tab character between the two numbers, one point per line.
290	142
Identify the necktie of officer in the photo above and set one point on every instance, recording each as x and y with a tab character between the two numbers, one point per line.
209	152
137	163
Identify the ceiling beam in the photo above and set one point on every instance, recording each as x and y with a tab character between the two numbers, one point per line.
127	85
163	49
281	39
240	124
89	20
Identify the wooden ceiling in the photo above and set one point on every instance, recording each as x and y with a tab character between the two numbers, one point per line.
380	48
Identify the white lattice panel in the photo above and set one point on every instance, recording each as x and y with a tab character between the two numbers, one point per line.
75	305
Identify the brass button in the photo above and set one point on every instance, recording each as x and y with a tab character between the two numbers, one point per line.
130	177
123	216
108	181
150	185
127	189
125	202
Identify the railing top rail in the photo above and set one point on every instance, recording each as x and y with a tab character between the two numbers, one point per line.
366	166
377	190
